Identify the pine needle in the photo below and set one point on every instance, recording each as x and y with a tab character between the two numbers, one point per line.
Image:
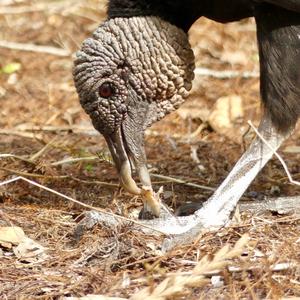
175	286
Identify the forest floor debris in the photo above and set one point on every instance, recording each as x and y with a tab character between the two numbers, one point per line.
46	138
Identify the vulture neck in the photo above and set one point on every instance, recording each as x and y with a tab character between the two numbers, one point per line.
182	13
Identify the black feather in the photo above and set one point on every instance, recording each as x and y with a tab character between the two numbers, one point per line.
278	32
182	13
293	5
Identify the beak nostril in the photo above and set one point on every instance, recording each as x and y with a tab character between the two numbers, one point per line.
122	109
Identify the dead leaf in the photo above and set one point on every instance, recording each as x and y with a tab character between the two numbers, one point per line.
225	115
30	251
237	57
10	236
292	149
2	92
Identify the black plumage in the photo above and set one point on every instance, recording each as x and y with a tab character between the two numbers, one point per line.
278	36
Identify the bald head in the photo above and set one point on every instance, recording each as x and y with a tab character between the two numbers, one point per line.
131	73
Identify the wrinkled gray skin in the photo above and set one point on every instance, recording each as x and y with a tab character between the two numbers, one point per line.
150	64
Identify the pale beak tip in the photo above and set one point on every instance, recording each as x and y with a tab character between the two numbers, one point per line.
127	181
151	200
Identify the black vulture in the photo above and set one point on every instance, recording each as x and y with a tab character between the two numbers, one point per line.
138	66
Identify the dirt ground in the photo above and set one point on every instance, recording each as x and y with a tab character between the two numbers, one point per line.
54	144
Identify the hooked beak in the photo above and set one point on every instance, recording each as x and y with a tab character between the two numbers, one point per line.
124	160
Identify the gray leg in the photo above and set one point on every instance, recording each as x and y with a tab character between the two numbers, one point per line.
216	211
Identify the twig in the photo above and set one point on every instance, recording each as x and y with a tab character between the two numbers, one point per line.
168	178
38	7
103	211
43	150
34	175
73	160
280	205
21	134
10	181
225	74
94	182
285	219
7	2
231	269
20	173
16	157
49	128
21	9
175	180
276	154
34	48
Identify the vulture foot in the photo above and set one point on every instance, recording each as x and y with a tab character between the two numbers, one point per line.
215	212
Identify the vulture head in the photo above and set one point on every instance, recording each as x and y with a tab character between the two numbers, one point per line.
130	74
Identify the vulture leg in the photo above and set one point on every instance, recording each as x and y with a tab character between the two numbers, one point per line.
280	89
278	34
216	210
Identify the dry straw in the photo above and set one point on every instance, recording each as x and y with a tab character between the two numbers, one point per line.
179	284
176	285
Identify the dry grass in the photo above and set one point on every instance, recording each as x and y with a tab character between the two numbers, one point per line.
50	140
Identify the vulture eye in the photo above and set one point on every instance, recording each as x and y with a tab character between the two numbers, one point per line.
106	90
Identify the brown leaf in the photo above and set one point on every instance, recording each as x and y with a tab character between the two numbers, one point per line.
30	251
225	116
11	236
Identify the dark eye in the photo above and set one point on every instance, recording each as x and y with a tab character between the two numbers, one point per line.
106	90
